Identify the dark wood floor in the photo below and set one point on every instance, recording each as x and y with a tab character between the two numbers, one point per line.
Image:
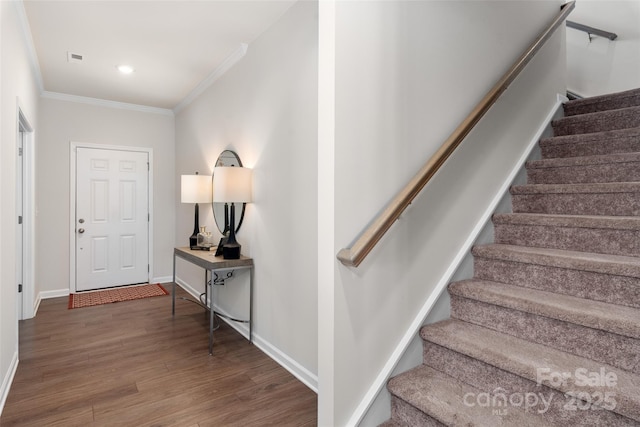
132	364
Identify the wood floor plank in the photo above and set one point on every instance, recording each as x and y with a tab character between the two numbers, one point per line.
133	364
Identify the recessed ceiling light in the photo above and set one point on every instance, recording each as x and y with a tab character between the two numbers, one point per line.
125	69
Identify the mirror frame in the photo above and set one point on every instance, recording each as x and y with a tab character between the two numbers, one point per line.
226	158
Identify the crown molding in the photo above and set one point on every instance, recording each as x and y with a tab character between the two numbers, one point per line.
105	103
31	50
229	62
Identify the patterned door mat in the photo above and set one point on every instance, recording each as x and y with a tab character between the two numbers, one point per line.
106	296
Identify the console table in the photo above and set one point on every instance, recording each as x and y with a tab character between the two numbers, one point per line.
213	264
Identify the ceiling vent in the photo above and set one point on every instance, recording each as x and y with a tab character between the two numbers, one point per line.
74	57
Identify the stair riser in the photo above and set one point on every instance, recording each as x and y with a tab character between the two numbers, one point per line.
620	141
599	122
406	414
601	346
590	148
612	172
572	109
621	204
489	379
604	241
608	288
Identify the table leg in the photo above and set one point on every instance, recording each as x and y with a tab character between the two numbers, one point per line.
211	313
206	287
250	304
173	287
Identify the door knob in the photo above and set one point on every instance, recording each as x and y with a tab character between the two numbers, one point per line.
81	230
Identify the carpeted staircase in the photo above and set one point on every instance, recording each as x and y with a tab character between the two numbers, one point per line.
548	330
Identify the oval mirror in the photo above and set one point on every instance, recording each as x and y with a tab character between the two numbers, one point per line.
221	210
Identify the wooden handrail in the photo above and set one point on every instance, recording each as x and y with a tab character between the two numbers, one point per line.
370	236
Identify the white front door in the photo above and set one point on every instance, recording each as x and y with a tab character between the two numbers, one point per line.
111	218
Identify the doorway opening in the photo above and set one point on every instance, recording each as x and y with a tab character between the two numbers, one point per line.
111	218
25	212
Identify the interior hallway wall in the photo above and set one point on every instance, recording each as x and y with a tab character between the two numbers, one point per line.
63	122
265	109
600	66
19	88
406	74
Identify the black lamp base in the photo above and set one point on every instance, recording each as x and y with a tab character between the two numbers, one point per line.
231	251
193	239
231	248
193	242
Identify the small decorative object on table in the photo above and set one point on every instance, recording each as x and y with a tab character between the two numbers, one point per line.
221	244
204	239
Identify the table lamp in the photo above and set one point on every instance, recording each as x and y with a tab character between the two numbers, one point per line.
195	189
231	184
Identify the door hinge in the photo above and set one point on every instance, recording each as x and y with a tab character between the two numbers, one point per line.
19	219
148	167
20	151
20	288
148	269
148	217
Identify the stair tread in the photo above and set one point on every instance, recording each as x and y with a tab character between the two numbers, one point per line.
442	397
390	423
593	314
591	137
600	99
600	263
596	114
528	360
621	118
574	221
584	160
599	188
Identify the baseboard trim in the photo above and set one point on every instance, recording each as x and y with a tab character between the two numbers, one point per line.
47	295
162	279
386	372
36	304
300	372
8	380
52	294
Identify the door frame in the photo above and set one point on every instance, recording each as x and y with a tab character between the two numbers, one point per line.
73	146
29	303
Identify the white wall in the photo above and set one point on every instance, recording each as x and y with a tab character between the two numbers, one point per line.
265	109
19	87
406	73
64	121
602	66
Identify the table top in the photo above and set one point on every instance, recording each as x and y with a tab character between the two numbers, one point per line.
208	260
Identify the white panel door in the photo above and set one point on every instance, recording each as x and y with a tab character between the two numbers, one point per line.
112	218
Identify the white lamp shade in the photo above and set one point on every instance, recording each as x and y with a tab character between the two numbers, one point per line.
195	189
232	184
